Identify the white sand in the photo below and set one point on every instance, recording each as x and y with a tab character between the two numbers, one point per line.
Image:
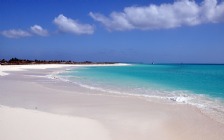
23	124
5	69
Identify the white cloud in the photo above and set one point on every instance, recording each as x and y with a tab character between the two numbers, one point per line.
15	33
164	16
36	29
72	26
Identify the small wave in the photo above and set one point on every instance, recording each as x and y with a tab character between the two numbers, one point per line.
211	107
180	99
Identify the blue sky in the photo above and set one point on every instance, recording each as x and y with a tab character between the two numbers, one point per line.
159	31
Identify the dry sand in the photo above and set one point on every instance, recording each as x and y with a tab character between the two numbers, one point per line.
72	112
23	124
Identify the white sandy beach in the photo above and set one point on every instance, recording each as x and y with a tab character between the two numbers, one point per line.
23	124
35	107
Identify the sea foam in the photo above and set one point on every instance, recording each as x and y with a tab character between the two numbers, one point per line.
115	82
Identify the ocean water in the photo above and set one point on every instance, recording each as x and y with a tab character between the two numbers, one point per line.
198	85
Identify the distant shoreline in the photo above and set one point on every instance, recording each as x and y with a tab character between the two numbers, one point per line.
4	69
16	61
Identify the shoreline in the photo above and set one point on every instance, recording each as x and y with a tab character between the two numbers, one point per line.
11	68
209	106
124	117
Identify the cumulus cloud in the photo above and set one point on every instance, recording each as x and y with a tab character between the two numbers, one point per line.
164	16
13	33
38	30
72	26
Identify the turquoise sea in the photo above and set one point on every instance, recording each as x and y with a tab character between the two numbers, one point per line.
198	85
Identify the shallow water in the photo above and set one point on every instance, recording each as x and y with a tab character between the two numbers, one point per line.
199	85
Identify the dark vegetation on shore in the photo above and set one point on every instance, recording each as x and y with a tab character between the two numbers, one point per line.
16	61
